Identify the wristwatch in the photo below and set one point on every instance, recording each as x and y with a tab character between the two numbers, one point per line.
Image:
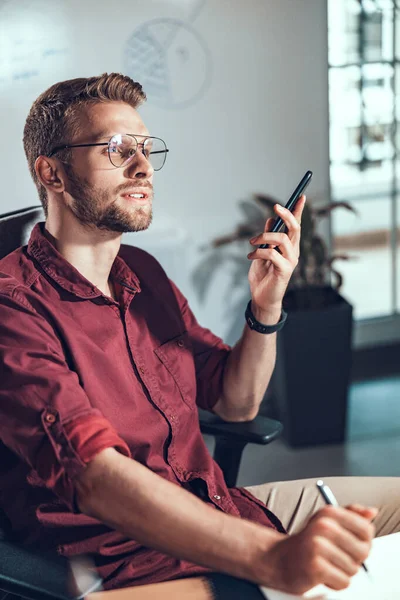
259	327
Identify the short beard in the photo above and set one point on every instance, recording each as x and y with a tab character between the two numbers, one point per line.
91	207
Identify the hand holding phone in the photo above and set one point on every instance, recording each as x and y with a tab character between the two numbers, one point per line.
298	192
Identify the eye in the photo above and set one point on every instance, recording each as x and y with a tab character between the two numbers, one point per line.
147	148
126	150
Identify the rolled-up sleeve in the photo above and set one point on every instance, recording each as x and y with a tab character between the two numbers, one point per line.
210	355
45	416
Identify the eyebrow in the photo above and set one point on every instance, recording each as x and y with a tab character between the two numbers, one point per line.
100	135
105	134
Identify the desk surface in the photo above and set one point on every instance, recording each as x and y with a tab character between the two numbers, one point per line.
195	588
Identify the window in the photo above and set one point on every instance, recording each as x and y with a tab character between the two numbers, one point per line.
364	93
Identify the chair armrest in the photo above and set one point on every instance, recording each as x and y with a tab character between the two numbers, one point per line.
260	430
44	577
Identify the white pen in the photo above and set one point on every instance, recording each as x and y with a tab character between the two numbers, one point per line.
329	498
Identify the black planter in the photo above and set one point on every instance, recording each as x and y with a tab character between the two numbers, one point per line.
312	374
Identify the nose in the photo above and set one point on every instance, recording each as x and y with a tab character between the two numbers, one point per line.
139	167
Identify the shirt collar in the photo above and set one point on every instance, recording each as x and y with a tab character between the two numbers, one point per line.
69	278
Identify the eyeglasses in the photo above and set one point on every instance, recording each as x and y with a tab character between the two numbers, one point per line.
122	148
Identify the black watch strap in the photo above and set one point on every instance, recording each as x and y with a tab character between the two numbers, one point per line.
259	327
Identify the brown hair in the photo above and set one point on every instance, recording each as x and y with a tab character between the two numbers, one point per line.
54	116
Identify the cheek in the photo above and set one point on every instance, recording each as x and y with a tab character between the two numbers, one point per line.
104	183
99	177
98	171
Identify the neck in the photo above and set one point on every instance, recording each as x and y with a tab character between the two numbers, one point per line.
91	251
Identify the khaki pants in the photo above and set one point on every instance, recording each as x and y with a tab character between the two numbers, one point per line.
293	502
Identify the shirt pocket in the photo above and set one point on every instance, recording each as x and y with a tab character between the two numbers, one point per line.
177	357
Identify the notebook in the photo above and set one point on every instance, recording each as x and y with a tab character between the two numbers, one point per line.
382	582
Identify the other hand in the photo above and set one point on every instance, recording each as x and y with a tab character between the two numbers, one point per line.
329	550
270	270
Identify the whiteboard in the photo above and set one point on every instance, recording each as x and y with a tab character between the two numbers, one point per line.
237	89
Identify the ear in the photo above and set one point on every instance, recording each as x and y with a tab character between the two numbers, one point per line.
50	174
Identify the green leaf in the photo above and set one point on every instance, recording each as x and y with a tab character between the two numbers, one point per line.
254	214
341	257
204	272
318	249
323	211
314	262
240	271
307	224
337	284
267	202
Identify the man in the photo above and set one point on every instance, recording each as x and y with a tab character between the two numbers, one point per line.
102	364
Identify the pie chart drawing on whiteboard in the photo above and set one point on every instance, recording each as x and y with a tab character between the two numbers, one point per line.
171	61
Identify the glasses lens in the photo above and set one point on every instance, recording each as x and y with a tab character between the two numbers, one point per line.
155	151
121	148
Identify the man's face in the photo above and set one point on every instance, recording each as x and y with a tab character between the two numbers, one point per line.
98	192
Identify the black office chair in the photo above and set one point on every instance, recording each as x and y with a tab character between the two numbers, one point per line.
23	572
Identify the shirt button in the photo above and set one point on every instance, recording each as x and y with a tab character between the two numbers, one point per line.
217	497
142	371
180	343
50	418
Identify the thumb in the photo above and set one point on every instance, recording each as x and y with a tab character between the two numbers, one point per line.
368	512
268	224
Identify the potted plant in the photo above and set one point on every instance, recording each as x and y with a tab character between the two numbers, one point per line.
309	388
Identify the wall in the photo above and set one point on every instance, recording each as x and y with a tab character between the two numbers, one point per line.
237	89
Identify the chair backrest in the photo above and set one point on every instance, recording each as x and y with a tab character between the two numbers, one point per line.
16	227
23	572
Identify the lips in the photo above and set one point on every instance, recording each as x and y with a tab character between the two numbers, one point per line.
134	194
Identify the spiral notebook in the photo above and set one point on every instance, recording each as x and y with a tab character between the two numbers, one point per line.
382	582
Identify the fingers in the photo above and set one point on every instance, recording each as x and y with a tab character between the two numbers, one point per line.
292	220
268	224
320	560
281	263
329	550
274	240
350	520
346	550
336	560
333	577
298	209
348	537
369	512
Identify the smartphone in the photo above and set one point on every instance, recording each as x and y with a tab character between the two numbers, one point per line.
279	223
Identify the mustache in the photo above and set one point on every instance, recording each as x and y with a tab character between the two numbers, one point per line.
127	188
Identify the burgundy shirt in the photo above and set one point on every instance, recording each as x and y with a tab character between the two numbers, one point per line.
80	372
